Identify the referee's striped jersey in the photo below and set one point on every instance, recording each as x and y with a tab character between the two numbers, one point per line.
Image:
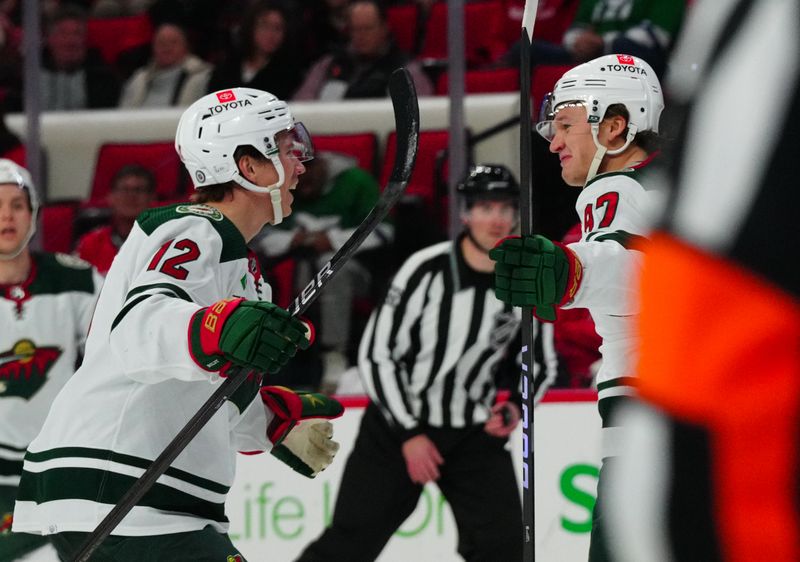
430	353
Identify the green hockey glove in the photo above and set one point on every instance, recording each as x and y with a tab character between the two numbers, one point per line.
534	271
253	334
301	436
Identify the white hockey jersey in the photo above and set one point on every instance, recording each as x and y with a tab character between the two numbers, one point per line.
138	386
44	323
616	211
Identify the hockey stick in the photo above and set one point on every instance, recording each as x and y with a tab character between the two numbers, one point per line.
406	115
528	209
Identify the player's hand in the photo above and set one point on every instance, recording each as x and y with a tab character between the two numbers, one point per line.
534	271
422	459
253	334
301	435
504	420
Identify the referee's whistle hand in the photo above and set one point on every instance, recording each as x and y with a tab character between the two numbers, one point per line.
422	459
504	420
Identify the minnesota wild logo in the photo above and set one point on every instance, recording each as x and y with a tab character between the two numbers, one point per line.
235	558
23	369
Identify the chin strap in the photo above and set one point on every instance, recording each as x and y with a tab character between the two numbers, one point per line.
23	244
277	208
273	190
602	151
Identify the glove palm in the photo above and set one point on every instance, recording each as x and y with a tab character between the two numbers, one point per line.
301	435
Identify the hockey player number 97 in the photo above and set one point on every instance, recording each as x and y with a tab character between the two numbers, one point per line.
172	266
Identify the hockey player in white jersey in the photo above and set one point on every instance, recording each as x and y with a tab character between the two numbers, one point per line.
602	121
46	303
183	301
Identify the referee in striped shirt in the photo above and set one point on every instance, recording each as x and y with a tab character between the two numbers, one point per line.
430	359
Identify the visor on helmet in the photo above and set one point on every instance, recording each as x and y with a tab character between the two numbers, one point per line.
301	146
547	126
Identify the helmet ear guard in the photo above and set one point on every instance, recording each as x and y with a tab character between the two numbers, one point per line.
14	174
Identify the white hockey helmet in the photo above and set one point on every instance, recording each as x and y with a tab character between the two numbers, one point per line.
14	174
213	127
599	84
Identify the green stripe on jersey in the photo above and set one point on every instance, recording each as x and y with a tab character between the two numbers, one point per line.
233	243
625	239
130	460
619	381
126	309
634	173
179	292
608	406
106	487
61	273
10	468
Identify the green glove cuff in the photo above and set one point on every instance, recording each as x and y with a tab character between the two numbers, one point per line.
284	455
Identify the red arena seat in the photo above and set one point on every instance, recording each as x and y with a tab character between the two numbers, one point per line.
115	35
403	25
483	81
363	146
159	157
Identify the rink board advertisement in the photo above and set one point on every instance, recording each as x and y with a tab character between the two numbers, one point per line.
274	512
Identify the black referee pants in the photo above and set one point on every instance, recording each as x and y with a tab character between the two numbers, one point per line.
376	495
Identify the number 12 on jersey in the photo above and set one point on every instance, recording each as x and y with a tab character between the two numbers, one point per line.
172	265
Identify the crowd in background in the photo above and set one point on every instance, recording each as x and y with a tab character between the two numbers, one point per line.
305	50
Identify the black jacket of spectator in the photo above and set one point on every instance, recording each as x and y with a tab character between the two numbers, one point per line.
102	84
366	79
281	76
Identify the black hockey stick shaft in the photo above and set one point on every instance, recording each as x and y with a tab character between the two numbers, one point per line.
406	114
528	224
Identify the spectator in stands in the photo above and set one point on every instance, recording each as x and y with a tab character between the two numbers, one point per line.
264	61
326	22
119	8
331	200
173	77
645	29
74	76
133	190
362	69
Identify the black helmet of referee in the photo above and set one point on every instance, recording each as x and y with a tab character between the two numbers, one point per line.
488	181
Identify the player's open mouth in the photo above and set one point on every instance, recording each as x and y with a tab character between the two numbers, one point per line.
8	231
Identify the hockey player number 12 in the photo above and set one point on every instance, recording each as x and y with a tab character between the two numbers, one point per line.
172	266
